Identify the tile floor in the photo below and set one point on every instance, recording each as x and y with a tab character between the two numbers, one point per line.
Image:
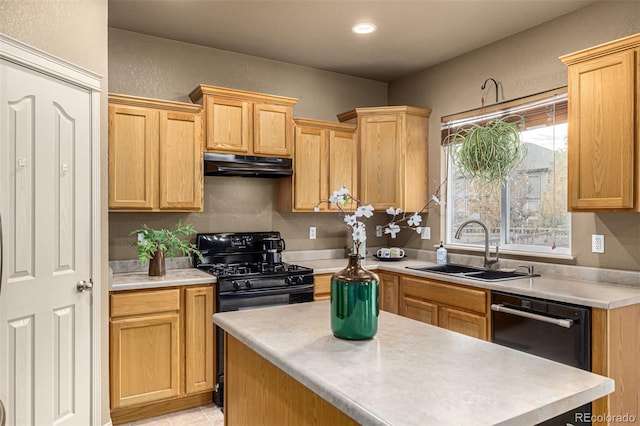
206	415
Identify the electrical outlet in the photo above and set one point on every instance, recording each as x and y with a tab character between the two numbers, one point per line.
426	233
140	237
597	243
312	232
378	230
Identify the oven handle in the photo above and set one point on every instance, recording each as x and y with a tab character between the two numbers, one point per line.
565	323
268	292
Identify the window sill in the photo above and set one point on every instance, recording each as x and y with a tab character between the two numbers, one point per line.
506	253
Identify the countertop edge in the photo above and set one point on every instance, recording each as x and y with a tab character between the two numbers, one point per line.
173	277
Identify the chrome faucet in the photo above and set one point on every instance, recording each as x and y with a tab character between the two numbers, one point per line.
487	260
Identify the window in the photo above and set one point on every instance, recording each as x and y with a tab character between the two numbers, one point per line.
528	213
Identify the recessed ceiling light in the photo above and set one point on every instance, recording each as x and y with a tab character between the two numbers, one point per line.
363	28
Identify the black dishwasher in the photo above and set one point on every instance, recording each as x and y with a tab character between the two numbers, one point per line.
557	331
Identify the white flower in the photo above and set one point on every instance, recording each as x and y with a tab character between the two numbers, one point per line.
340	196
350	220
366	211
392	229
359	233
419	229
414	220
394	212
316	209
437	201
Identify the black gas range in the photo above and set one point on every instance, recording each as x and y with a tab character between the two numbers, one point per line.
250	274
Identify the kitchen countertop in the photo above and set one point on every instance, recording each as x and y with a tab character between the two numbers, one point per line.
412	373
579	291
174	277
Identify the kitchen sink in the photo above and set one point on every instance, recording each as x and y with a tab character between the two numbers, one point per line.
474	273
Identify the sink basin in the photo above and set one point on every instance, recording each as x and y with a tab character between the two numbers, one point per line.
473	273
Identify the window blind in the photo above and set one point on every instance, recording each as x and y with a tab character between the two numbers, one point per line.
543	109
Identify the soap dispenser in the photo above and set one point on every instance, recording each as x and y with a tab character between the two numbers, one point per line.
441	255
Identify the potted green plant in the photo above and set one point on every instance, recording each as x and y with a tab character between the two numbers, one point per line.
153	245
489	151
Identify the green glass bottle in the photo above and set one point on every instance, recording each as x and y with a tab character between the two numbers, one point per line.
354	302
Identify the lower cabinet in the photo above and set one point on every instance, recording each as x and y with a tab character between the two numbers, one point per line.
322	287
161	351
389	285
454	307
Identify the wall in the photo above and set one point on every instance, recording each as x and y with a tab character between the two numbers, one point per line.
77	32
525	64
153	67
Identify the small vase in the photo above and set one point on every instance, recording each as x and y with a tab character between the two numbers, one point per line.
157	264
354	302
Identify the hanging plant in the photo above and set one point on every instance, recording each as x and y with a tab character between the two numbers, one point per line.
488	152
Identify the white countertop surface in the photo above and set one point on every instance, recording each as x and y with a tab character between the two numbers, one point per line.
579	291
412	373
174	277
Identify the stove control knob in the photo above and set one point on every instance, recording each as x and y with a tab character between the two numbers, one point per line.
236	285
288	280
247	284
299	279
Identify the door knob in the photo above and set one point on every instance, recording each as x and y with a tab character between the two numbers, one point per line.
84	285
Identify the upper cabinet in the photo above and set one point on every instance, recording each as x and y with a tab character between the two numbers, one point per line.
247	123
155	155
393	158
325	159
604	128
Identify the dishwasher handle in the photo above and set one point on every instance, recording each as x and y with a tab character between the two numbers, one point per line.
561	322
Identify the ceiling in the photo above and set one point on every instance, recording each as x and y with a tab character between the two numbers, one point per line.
412	35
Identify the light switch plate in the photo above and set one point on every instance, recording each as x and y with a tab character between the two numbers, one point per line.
597	243
426	233
378	230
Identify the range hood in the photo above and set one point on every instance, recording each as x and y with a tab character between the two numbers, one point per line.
246	165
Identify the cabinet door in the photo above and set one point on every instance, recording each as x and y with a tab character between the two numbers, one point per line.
389	288
145	359
380	152
343	163
463	322
272	129
180	161
199	339
602	114
133	153
309	179
322	287
419	310
228	125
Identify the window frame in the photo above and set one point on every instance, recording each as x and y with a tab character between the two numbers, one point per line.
534	103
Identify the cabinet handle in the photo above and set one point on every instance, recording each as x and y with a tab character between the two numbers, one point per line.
565	323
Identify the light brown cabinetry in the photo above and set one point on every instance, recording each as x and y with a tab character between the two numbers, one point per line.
155	155
615	345
604	134
325	159
454	307
247	123
161	351
389	290
322	287
393	155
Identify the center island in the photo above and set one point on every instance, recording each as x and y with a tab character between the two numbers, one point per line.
284	366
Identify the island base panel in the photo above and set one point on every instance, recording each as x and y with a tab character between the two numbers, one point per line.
259	393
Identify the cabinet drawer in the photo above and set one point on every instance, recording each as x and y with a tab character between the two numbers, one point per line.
470	299
144	302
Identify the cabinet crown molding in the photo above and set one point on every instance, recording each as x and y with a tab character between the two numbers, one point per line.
203	89
137	101
352	114
626	43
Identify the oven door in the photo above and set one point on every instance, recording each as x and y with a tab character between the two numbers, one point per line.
251	299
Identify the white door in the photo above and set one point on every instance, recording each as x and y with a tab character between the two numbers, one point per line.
45	202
